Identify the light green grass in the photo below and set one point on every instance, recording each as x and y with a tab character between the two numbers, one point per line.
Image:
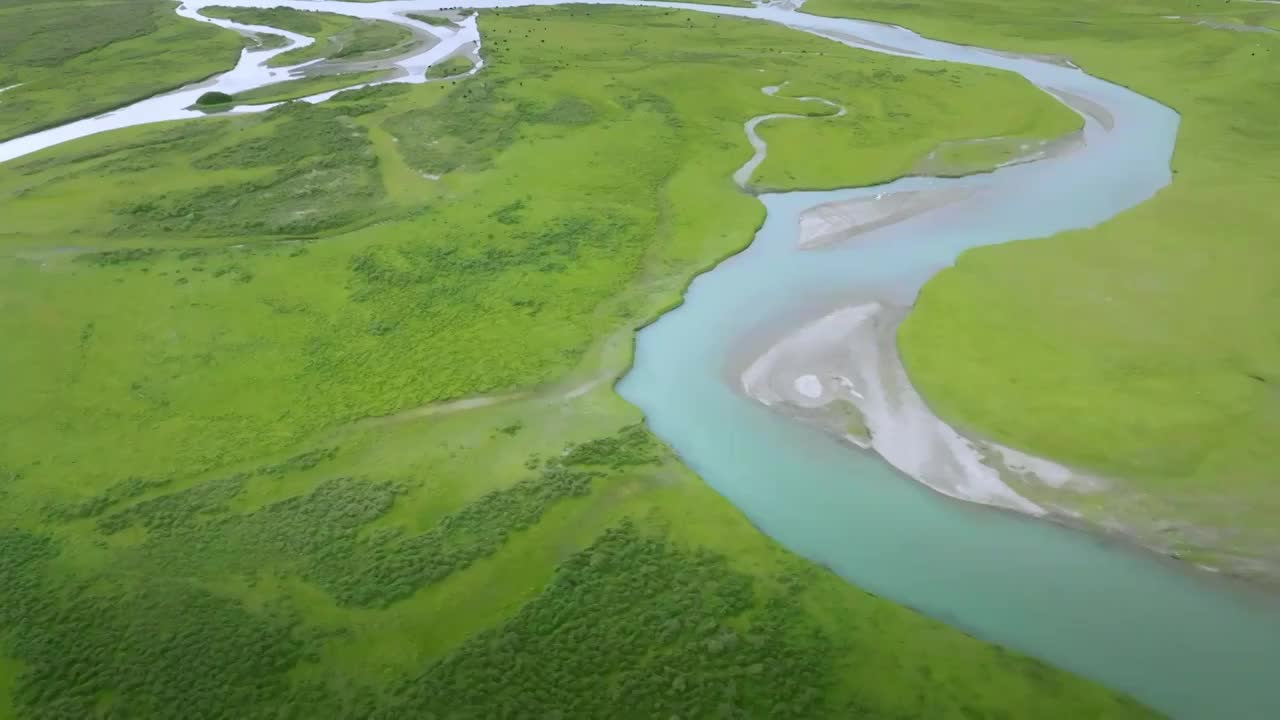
74	60
1138	349
223	323
337	37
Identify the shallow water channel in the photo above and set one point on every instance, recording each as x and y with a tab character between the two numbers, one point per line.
1185	643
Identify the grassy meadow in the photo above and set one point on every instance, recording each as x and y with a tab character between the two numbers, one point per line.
311	412
75	59
1138	349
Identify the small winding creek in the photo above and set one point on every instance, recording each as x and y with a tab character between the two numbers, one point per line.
1190	645
742	175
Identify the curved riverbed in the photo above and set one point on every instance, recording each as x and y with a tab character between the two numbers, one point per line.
1185	644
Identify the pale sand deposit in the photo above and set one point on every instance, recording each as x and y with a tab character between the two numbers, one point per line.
842	373
1052	58
859	41
1015	151
842	220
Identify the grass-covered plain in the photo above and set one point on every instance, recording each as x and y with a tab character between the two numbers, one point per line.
74	59
337	37
241	467
1143	348
438	20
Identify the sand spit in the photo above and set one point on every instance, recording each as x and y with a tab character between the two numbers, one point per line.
1051	58
779	4
836	222
422	42
1015	151
1234	27
858	41
1085	106
844	220
842	374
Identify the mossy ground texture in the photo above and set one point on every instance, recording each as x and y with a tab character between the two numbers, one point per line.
311	412
1140	349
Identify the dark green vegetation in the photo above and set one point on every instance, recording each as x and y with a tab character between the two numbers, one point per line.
214	98
75	59
638	617
456	65
295	430
338	38
1145	339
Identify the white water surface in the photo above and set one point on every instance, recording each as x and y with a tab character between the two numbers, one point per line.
1189	646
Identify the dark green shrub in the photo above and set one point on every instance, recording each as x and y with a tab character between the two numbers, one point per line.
214	98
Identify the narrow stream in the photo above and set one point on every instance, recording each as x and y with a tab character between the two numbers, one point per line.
1187	644
742	176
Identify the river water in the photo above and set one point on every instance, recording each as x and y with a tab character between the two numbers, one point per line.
1180	641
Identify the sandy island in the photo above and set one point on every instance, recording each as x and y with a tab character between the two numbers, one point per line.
842	374
845	219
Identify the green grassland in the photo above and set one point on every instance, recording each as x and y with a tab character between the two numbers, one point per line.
337	37
311	412
899	125
75	59
1140	349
